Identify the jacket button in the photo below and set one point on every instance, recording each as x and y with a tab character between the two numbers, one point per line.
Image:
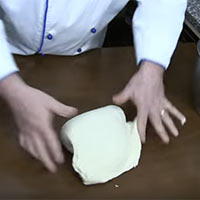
93	30
49	36
79	50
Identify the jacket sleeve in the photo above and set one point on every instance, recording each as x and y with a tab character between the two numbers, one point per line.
7	63
157	25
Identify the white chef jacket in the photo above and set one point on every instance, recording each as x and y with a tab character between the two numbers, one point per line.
70	27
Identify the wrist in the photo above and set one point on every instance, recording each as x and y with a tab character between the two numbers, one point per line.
151	69
11	86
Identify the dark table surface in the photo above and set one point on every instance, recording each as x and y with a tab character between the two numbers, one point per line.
89	81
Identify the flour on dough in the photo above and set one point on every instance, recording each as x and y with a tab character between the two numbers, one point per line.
103	144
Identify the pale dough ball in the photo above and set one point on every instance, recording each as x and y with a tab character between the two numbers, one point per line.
103	144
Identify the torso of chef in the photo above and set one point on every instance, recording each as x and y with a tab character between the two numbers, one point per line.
58	27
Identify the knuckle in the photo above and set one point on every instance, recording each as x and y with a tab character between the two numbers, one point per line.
171	124
154	110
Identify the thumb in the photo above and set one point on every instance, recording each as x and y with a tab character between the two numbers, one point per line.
63	110
121	97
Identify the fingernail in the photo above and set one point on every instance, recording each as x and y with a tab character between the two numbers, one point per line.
60	159
183	121
143	140
114	100
176	134
75	111
167	141
53	170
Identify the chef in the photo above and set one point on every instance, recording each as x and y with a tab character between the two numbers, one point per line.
71	27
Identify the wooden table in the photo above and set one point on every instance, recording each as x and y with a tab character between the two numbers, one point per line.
89	81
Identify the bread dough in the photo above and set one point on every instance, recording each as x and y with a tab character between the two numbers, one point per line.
103	144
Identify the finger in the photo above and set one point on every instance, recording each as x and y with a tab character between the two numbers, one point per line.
142	117
22	141
31	148
27	146
62	110
159	128
121	97
54	146
43	154
170	124
174	111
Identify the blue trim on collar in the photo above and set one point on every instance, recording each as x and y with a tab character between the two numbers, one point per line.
44	26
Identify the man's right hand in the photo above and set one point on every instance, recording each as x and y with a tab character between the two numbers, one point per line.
33	111
146	91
